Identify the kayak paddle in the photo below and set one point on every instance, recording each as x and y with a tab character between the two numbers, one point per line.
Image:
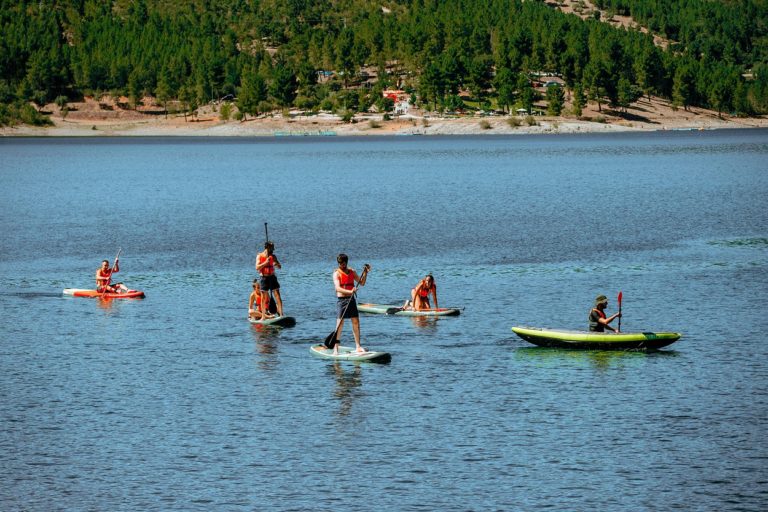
619	300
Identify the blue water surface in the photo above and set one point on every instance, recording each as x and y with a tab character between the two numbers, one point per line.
176	402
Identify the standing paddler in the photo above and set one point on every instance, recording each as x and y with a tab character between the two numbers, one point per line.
346	281
266	262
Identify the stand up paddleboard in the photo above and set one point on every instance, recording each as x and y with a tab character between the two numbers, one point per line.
563	338
349	354
391	309
80	292
277	321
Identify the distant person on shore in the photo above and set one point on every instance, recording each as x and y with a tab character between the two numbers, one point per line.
420	294
598	322
266	262
346	281
104	278
255	310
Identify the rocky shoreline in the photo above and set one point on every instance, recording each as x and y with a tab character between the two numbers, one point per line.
90	119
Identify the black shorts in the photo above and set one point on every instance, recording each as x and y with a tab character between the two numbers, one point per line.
351	309
269	283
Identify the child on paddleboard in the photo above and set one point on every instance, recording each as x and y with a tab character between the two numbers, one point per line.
255	310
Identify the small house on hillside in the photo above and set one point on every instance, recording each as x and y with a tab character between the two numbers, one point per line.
395	94
401	100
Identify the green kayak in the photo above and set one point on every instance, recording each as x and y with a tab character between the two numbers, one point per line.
349	354
563	338
391	309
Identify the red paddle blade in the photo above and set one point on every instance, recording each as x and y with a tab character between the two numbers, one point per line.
619	298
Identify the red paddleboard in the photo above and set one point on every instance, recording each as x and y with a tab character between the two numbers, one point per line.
80	292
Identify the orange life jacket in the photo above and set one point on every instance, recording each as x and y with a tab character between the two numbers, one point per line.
269	269
424	291
346	281
105	277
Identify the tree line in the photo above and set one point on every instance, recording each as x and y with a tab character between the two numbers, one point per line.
270	53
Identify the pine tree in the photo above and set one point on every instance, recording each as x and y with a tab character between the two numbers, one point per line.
526	92
252	92
555	100
505	88
579	100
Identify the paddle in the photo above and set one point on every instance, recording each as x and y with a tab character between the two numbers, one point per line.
619	300
272	308
272	305
330	340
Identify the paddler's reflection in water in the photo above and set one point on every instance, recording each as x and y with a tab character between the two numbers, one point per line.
348	378
266	338
424	322
104	303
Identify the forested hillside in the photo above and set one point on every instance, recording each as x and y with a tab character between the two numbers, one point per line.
334	55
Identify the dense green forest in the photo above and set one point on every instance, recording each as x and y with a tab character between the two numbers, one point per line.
270	53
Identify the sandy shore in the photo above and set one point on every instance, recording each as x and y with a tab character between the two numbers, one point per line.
91	118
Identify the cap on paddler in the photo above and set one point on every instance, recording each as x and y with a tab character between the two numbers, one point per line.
600	299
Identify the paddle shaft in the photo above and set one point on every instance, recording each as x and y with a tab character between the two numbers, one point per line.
117	256
266	239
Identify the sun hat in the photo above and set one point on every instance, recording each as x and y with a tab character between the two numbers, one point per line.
600	299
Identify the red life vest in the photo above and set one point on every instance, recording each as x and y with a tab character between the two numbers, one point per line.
269	269
346	281
602	315
424	291
105	277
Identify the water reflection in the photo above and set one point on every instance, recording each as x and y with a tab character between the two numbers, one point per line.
105	303
348	379
266	339
109	303
425	322
600	359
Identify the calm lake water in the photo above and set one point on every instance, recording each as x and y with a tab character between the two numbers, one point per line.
176	402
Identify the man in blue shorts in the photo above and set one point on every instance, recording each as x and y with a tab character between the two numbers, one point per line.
346	281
